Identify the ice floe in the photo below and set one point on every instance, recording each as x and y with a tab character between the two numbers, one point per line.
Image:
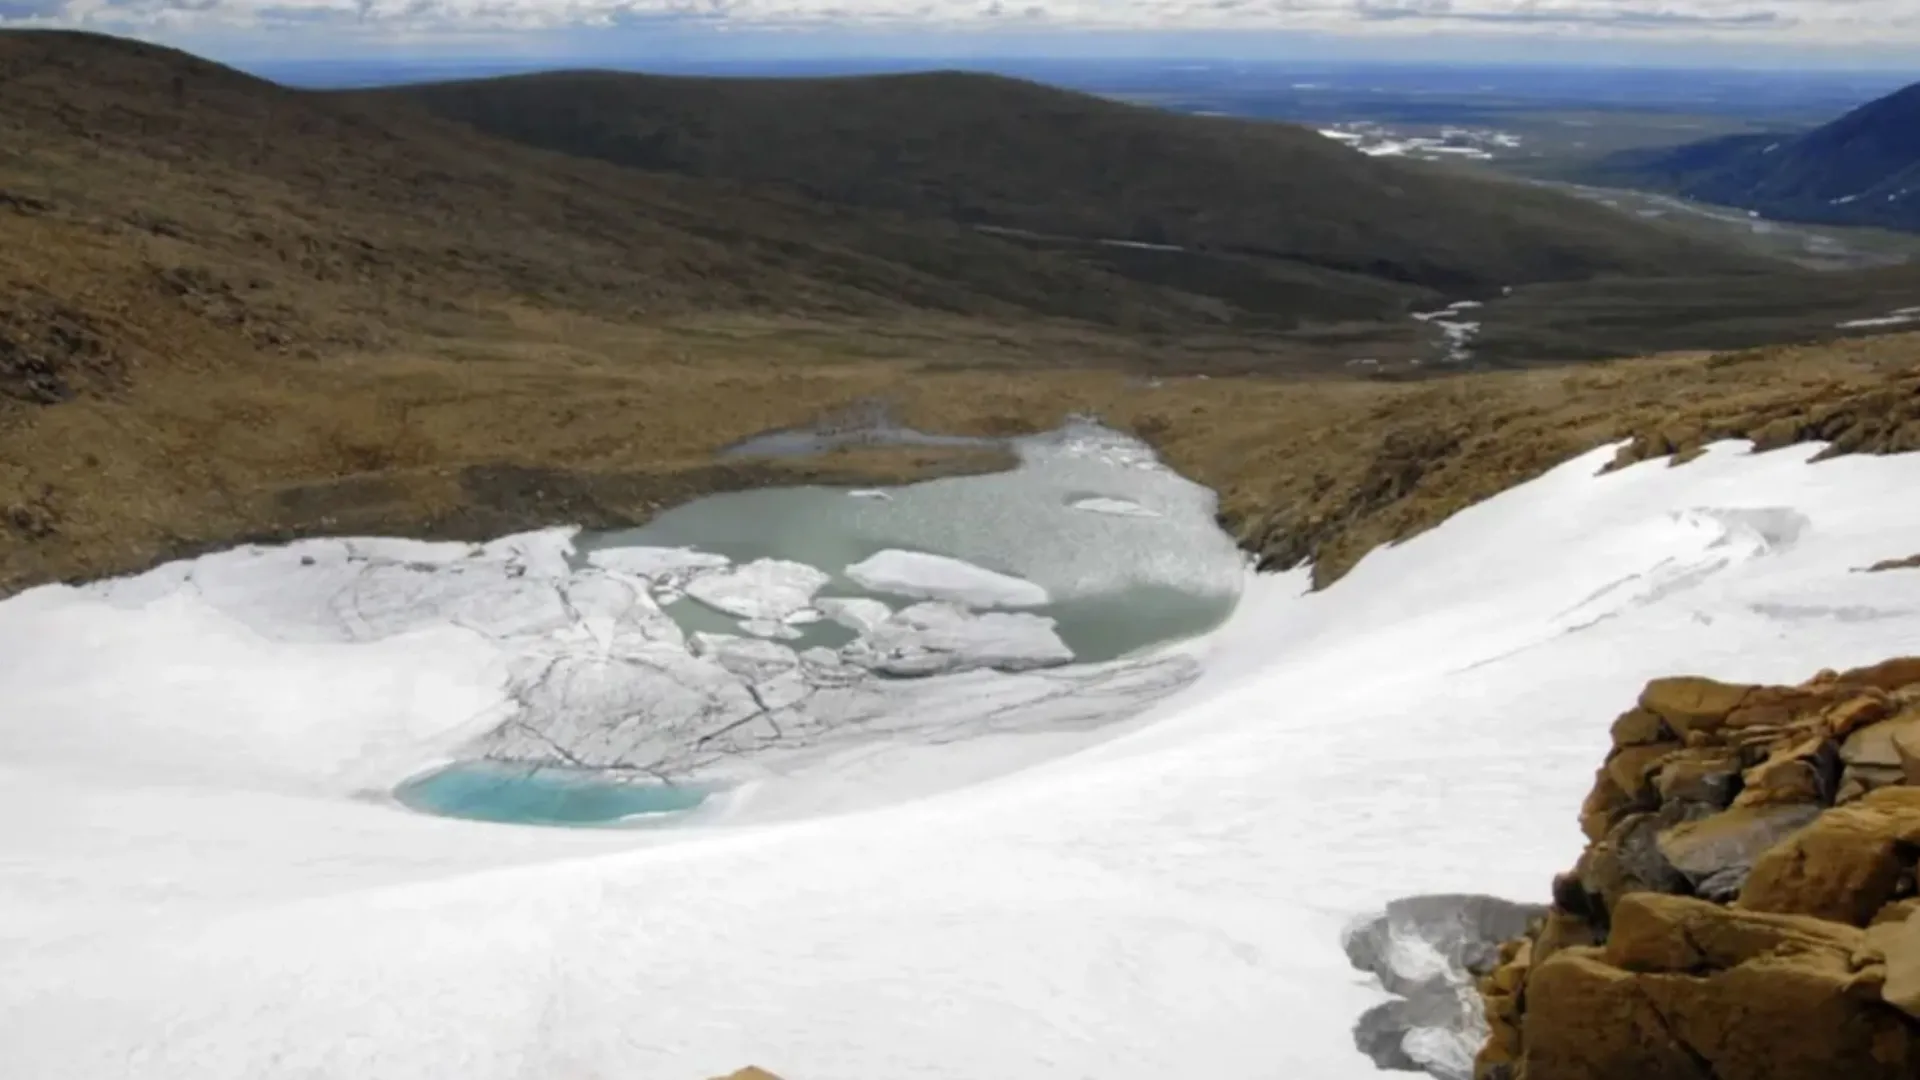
771	590
858	613
925	576
936	637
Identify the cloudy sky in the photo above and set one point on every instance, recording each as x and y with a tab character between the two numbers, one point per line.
1880	33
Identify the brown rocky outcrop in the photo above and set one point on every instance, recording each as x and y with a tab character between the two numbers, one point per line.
751	1072
1746	907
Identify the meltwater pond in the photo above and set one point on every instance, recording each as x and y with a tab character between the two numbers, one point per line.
742	640
1127	551
544	795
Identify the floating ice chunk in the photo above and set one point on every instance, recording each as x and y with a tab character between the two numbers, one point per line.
936	637
854	612
657	563
868	493
925	576
1101	504
768	628
769	589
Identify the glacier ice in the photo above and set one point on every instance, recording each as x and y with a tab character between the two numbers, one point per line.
925	576
934	637
767	590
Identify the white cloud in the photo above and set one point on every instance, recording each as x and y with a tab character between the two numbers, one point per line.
1866	22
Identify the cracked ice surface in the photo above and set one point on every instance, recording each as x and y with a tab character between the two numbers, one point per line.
580	666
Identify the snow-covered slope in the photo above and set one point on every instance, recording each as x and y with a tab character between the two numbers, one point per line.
188	890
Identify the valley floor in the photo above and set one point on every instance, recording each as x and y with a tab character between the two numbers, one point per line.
189	890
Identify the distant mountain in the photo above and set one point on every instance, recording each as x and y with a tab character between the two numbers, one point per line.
1862	169
991	151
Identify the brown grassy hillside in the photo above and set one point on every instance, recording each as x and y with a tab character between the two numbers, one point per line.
990	150
232	310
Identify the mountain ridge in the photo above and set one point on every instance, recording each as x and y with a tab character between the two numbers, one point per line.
1860	169
990	150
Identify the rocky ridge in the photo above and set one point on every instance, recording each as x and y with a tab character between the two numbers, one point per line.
1745	907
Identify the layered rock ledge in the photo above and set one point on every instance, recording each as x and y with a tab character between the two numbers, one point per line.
1746	906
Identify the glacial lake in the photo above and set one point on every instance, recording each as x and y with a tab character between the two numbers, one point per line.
1127	550
781	621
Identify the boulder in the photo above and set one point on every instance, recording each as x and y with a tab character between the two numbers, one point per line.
1888	675
1725	846
1898	944
1692	704
1794	772
1604	805
1632	770
1563	931
1870	706
1653	933
751	1072
1628	860
1846	866
1587	1020
1638	727
1877	744
1687	990
1906	744
1781	707
1879	754
1746	907
1898	911
1705	777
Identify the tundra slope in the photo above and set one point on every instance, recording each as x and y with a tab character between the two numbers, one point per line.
234	311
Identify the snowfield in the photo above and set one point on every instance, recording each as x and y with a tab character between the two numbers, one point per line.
199	877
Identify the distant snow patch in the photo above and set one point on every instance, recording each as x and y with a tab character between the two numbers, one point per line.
925	576
1897	317
1456	334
